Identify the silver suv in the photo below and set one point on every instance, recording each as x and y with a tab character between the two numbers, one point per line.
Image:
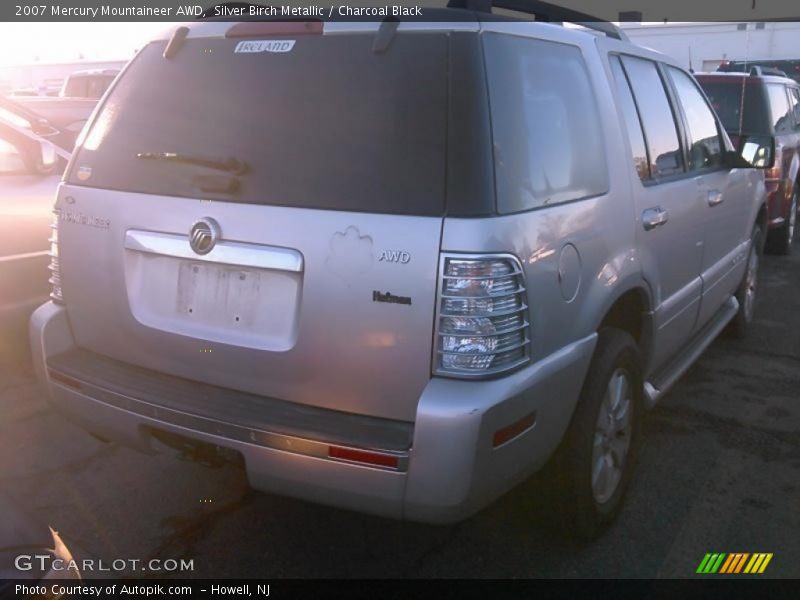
397	268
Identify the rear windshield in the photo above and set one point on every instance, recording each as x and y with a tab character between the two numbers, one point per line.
739	116
329	124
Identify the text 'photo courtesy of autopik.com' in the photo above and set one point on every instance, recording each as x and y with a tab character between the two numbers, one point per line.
399	299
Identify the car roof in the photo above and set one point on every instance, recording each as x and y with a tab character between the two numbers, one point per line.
445	19
723	75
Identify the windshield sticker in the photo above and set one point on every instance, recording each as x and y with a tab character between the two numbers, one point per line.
256	46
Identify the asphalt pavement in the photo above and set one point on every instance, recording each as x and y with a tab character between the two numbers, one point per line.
719	472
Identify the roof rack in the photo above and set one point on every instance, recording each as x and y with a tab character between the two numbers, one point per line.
543	11
757	70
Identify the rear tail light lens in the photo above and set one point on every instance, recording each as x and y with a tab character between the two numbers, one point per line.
55	271
774	172
482	320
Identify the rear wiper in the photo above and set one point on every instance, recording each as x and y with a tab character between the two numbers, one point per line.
230	164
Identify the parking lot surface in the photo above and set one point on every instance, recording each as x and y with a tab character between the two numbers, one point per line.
719	472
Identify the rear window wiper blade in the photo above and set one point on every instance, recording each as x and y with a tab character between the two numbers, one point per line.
229	164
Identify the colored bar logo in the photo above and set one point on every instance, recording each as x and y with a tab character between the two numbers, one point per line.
737	562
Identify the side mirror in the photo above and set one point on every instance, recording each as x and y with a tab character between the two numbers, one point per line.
756	152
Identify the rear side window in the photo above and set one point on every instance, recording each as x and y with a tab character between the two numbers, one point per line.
705	151
794	101
740	105
657	118
96	86
779	108
76	87
328	125
548	141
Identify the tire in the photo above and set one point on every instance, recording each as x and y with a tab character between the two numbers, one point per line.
780	240
595	462
747	292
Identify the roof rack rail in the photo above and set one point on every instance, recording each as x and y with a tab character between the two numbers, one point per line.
543	11
757	70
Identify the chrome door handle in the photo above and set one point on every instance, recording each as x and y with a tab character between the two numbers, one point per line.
714	198
654	217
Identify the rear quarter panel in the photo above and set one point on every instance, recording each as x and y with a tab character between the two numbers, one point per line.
600	229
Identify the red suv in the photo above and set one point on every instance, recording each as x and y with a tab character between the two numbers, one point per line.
762	110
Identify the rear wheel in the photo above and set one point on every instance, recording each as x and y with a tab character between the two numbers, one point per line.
596	460
748	288
782	239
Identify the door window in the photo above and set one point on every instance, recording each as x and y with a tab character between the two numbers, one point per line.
659	122
632	122
704	142
779	106
794	101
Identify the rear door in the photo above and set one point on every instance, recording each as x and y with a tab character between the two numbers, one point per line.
670	228
726	196
316	174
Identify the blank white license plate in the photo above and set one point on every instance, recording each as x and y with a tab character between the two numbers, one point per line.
218	294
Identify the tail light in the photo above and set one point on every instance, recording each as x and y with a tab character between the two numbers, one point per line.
55	271
774	172
482	326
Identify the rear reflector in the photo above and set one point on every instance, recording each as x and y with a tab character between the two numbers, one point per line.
65	380
270	28
501	436
364	456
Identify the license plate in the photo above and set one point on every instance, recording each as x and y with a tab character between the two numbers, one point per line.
218	294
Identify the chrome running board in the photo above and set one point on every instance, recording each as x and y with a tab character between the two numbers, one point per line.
662	381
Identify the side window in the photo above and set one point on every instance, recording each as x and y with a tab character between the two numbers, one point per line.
546	127
632	123
704	142
779	107
663	147
794	101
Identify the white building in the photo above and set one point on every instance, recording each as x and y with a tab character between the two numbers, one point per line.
703	46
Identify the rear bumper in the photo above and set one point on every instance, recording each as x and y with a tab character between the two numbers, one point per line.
452	468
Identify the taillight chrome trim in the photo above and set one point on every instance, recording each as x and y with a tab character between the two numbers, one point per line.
519	289
521	327
499	350
56	292
500	353
482	277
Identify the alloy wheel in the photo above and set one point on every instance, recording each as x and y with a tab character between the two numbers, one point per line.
612	437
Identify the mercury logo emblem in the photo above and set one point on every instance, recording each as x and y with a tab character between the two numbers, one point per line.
203	235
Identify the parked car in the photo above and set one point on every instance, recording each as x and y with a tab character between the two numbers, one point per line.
397	267
68	115
789	67
14	113
765	109
88	84
29	174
